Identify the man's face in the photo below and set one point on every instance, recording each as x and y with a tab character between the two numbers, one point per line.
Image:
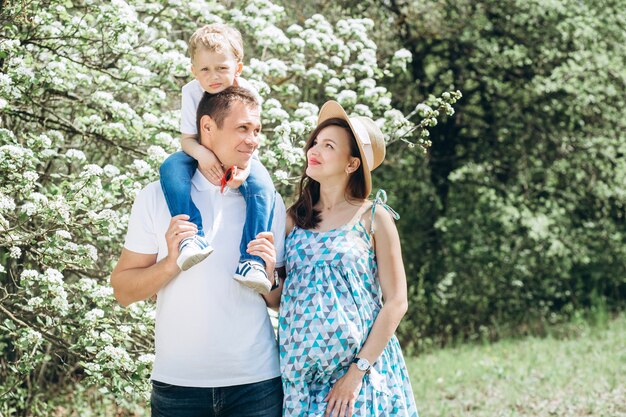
238	137
215	71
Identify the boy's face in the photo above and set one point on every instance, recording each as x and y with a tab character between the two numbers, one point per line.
215	71
237	139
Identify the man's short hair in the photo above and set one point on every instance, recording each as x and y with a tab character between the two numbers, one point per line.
216	37
218	105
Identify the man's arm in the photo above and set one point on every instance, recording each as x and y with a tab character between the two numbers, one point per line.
139	276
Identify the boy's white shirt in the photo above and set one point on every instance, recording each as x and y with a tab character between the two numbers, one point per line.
210	331
191	95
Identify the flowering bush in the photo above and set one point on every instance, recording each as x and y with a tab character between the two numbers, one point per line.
89	96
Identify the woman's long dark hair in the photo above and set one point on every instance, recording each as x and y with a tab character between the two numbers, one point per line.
302	211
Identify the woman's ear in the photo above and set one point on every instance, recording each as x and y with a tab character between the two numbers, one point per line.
353	165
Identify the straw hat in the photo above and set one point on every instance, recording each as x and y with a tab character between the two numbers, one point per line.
368	136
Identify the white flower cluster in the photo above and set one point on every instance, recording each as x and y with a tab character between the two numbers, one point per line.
75	154
31	338
91	170
401	58
114	357
6	203
49	286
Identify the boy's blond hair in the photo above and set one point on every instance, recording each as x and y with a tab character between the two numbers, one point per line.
216	37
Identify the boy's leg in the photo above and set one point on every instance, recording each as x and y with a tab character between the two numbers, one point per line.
176	174
260	195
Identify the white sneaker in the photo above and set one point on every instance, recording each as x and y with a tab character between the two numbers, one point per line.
252	274
193	250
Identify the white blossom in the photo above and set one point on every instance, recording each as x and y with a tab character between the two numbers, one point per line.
15	252
31	176
35	302
75	154
29	275
281	175
111	170
32	337
63	234
157	153
6	203
29	208
91	170
347	97
93	315
141	166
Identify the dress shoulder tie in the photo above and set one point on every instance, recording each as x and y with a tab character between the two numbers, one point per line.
381	199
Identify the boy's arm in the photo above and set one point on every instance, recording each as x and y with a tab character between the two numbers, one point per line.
208	163
239	177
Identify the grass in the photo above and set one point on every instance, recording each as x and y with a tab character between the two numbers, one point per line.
580	376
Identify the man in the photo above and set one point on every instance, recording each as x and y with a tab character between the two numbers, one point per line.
216	353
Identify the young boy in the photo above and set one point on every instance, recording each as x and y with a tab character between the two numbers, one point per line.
216	62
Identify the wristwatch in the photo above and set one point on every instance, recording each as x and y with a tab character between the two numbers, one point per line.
276	281
362	364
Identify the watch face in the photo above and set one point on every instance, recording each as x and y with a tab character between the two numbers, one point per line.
362	364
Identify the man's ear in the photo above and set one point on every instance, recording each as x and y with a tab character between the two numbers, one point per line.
207	127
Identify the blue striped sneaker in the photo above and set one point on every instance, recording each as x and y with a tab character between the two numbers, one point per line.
193	250
252	274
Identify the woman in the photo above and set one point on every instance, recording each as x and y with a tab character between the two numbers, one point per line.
338	352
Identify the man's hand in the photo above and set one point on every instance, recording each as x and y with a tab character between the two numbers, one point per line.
210	167
263	247
178	230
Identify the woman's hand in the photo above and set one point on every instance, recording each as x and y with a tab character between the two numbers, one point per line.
344	393
263	247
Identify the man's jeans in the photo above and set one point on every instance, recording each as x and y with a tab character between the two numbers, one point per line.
258	191
260	399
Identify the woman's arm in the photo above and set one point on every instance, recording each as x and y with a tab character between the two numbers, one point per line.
393	284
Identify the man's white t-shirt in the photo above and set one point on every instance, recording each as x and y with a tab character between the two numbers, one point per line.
211	331
192	95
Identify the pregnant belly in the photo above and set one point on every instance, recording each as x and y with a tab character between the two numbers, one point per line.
317	339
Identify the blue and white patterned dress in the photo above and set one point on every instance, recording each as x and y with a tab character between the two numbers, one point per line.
330	300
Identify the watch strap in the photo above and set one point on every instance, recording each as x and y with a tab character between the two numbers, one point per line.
276	281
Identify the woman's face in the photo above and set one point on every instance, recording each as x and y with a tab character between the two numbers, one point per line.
329	155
